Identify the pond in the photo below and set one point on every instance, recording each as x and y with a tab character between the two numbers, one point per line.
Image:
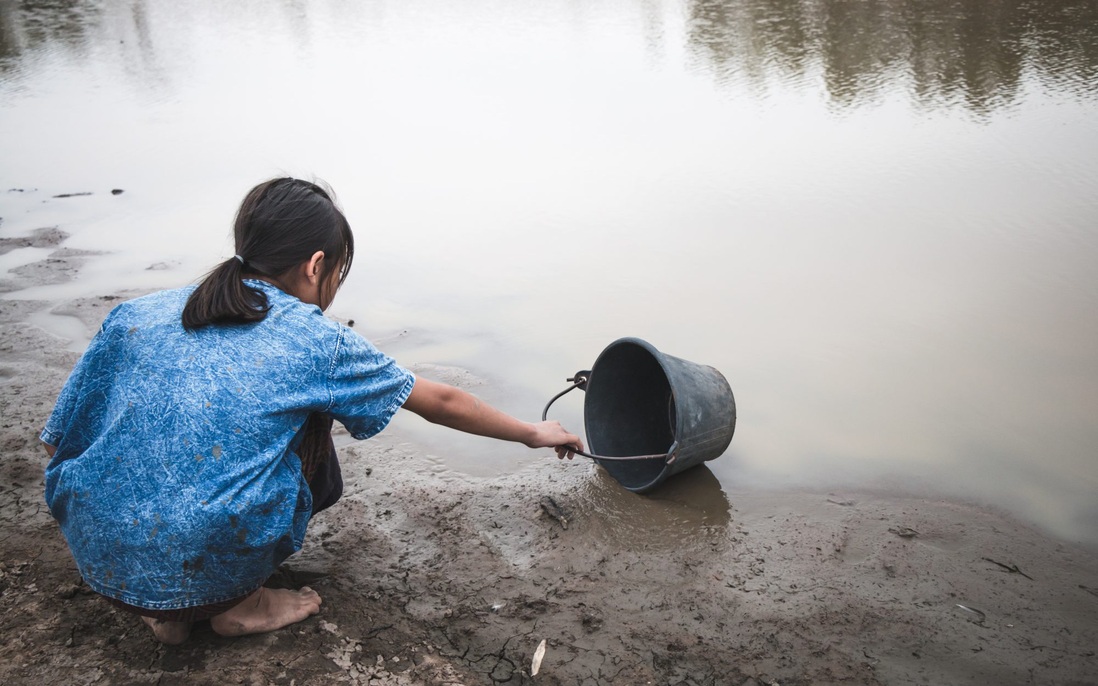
878	219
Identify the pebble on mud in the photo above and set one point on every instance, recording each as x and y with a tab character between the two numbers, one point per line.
67	591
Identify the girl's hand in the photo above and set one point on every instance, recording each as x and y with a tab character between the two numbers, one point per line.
551	434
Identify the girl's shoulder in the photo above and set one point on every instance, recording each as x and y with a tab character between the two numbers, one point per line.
158	305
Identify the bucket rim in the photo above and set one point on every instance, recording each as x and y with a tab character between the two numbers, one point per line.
631	340
654	352
640	343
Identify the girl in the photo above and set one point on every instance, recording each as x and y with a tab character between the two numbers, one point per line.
191	444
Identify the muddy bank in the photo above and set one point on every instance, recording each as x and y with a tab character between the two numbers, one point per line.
431	579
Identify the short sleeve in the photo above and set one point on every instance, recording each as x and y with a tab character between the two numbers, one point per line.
367	387
54	430
60	419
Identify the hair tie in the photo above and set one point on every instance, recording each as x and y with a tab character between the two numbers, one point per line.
238	257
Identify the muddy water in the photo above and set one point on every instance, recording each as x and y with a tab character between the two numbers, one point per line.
878	219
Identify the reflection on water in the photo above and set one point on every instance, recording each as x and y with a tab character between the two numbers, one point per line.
876	217
972	53
33	25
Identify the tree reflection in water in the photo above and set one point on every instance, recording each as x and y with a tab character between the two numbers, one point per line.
973	53
976	53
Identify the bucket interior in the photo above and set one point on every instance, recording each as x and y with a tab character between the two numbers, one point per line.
629	410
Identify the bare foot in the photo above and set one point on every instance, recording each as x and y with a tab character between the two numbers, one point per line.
266	610
171	633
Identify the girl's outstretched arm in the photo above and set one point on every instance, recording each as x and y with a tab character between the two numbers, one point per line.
443	404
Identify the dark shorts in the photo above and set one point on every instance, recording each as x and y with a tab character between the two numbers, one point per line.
186	614
322	472
326	484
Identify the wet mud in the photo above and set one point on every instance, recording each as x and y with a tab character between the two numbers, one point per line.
430	579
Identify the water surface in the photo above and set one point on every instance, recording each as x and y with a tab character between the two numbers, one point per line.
878	219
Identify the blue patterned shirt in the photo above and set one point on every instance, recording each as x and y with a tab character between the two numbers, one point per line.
174	480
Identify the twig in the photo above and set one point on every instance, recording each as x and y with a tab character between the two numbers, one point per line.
1013	569
554	510
375	631
972	610
903	531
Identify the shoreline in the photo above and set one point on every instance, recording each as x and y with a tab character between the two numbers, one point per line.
430	580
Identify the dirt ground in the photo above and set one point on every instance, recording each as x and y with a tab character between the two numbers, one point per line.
429	580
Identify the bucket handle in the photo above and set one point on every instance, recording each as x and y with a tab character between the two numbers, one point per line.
580	381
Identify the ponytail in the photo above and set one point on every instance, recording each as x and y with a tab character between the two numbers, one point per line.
224	298
280	224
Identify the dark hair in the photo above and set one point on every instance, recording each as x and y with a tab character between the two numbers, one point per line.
281	224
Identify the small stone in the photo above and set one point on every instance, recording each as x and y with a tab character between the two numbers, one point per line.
67	591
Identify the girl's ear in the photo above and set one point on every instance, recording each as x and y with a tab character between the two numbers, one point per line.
313	267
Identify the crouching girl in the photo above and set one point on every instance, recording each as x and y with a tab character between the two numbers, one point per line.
191	444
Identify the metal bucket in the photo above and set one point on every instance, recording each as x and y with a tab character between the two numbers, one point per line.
649	416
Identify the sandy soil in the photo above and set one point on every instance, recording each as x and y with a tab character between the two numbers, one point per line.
435	581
